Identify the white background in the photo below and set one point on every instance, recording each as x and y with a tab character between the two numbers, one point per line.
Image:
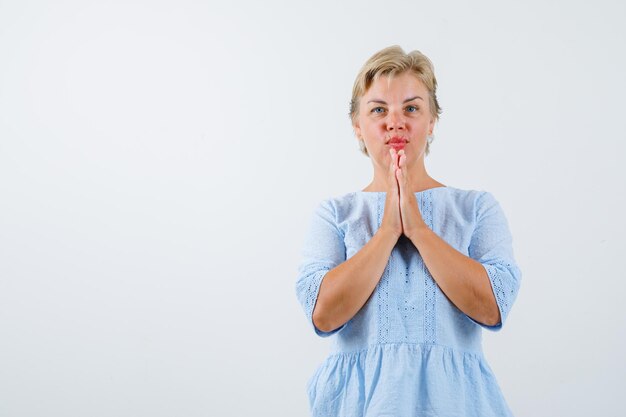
160	161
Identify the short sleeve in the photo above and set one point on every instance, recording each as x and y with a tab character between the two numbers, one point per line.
492	245
323	250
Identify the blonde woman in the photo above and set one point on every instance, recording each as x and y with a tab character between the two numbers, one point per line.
406	273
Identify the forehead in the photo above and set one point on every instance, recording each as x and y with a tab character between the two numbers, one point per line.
401	84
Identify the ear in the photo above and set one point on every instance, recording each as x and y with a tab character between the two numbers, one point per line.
431	125
357	129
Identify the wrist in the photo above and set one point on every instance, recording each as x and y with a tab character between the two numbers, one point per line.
388	234
417	233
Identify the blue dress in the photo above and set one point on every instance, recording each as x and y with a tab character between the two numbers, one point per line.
409	351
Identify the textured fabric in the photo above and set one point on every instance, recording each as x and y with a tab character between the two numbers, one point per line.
409	351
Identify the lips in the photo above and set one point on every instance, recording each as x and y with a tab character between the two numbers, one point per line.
397	140
397	143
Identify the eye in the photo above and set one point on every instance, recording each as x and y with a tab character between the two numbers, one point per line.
412	109
378	110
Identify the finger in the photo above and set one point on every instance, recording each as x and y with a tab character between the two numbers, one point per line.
400	180
393	165
393	183
399	174
402	162
402	168
397	164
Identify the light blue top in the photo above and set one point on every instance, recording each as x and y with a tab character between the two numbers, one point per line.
409	351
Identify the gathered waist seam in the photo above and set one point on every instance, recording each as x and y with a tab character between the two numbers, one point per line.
478	354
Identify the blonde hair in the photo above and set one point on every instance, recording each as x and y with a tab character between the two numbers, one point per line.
390	62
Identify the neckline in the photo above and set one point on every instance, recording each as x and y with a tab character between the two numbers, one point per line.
416	192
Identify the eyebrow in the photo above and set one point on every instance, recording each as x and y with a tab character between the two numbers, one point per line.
405	101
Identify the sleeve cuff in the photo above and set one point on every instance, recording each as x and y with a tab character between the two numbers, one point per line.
492	273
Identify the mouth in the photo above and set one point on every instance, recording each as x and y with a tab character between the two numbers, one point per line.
397	142
397	139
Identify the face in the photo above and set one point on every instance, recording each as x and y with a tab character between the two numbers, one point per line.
395	114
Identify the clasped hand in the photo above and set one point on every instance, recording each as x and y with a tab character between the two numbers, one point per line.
402	214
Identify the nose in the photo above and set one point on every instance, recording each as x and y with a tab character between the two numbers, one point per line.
395	121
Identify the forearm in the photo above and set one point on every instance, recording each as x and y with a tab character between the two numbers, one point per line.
462	279
345	289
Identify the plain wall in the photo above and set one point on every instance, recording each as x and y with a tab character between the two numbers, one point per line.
160	161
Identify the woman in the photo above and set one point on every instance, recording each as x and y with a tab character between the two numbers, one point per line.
407	272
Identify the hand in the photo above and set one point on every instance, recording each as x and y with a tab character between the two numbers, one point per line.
410	214
392	219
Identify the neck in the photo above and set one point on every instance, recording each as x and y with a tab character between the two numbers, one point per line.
418	178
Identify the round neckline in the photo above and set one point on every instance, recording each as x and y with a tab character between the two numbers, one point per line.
416	192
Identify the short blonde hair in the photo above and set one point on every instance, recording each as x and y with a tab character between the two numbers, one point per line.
390	62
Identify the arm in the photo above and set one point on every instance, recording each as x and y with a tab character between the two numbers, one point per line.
330	288
346	288
484	284
463	280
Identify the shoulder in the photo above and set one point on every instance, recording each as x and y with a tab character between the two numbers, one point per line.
333	208
469	204
353	209
483	206
468	198
343	204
